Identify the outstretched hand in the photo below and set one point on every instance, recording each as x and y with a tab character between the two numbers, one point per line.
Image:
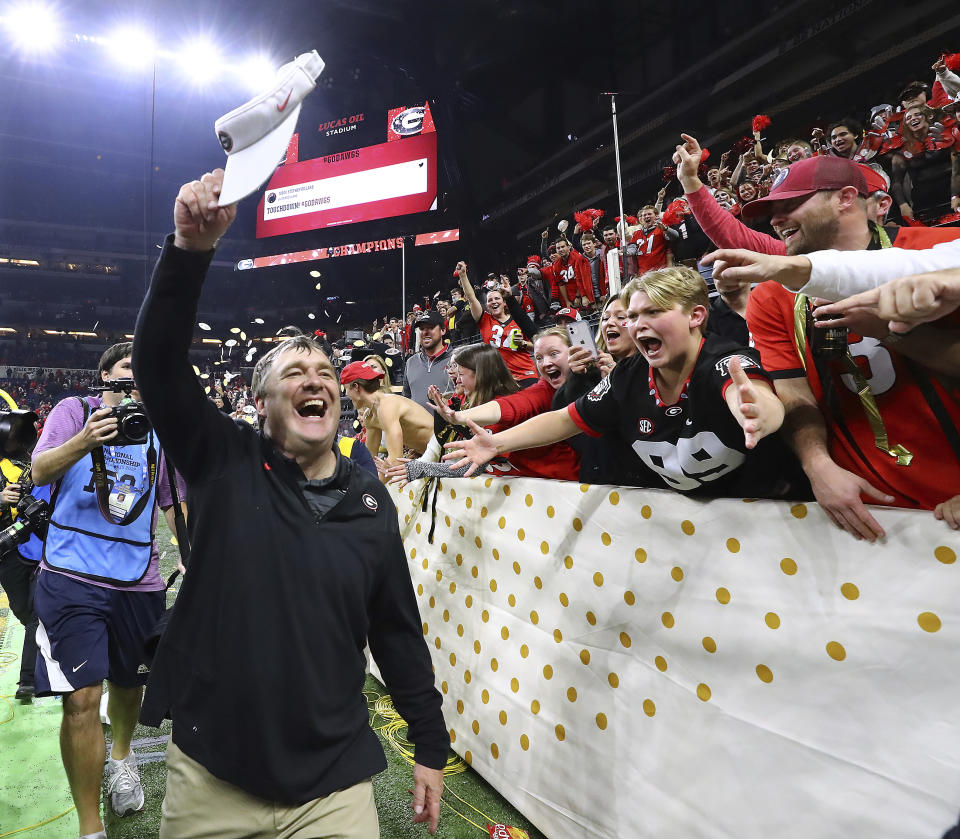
198	220
477	451
745	268
903	303
393	472
437	402
757	413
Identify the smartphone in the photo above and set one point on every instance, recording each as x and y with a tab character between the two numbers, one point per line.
581	336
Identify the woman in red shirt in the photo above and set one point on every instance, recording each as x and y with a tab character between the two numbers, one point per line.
479	367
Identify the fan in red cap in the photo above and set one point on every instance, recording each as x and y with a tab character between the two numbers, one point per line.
567	314
358	370
806	177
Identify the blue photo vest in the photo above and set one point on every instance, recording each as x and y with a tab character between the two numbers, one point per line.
32	549
81	541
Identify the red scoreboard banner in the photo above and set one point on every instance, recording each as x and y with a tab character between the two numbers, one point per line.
390	179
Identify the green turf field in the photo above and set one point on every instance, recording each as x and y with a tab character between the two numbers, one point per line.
35	801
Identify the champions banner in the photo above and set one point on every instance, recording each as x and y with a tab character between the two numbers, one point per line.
389	179
439	237
635	663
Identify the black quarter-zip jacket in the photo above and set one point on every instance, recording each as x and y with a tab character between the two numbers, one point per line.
261	668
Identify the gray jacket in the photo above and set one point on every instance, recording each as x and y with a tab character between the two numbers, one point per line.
421	372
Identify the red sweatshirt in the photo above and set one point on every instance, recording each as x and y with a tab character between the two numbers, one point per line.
558	460
573	275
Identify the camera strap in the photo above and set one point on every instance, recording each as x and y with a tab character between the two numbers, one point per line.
102	485
183	538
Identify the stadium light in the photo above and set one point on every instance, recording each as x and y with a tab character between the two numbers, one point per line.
200	60
256	73
131	46
32	26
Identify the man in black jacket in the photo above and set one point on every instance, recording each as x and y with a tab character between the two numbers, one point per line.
296	563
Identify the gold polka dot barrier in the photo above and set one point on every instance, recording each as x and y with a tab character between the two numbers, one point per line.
945	555
836	651
726	617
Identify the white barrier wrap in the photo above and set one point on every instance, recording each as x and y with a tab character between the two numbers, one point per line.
633	663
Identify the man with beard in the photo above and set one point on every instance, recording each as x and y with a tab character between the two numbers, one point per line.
865	411
429	365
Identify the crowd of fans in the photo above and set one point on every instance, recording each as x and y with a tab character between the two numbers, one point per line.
497	350
625	277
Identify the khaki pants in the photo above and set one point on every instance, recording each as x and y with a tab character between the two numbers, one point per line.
199	806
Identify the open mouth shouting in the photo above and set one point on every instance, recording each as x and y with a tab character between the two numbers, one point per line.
314	408
612	336
552	374
650	346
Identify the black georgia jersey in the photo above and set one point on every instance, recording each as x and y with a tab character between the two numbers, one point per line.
694	445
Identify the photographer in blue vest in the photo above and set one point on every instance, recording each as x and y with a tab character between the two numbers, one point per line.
99	592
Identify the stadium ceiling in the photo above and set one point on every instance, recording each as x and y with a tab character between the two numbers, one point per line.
517	89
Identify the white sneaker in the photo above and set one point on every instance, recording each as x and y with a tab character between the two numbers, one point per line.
123	785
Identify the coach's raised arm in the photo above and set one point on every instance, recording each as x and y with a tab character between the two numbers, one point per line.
171	392
296	564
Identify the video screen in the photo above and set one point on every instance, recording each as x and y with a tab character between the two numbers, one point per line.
374	182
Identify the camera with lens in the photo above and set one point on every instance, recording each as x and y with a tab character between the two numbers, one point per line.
18	436
33	516
133	424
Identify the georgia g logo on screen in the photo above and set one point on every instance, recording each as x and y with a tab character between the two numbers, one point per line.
408	122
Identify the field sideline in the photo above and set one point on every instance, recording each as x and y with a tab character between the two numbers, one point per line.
35	801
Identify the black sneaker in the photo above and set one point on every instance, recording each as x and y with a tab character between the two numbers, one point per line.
24	694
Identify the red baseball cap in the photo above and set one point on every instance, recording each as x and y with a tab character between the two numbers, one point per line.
358	370
534	260
806	177
876	181
568	312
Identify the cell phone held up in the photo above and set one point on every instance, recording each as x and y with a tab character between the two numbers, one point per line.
581	337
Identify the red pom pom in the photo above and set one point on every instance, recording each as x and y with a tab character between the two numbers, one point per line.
938	96
952	61
675	213
631	220
742	145
669	173
704	155
761	121
587	218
